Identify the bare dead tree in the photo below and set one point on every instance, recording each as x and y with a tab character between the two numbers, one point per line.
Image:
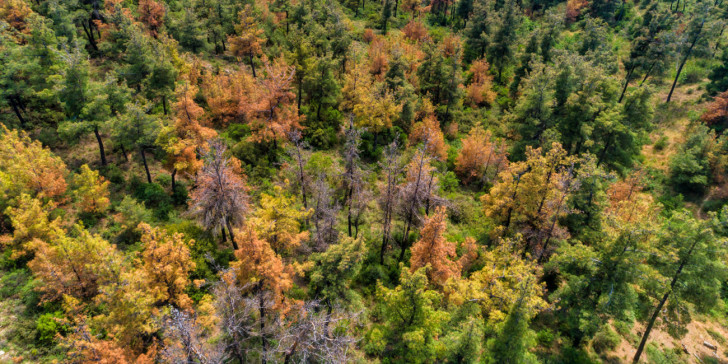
237	318
391	166
324	215
186	341
359	205
220	200
298	153
307	339
355	194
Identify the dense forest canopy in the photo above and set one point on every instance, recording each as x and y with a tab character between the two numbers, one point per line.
390	181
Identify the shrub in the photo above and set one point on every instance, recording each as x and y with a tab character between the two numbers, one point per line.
114	174
623	328
692	73
375	343
661	143
156	198
606	339
716	336
48	325
237	132
179	194
449	181
545	337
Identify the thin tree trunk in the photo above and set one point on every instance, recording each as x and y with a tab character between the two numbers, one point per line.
90	35
101	146
123	152
300	91
17	111
301	176
685	59
348	218
146	166
261	308
164	104
230	231
252	64
174	173
626	83
651	323
513	198
647	74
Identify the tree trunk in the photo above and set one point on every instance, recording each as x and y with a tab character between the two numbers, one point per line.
348	219
123	152
101	146
230	231
90	35
356	226
674	83
261	308
252	64
300	91
626	83
513	198
146	166
174	173
164	104
301	179
685	59
651	323
17	111
647	74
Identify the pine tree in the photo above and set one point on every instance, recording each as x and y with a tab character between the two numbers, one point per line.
434	251
278	221
246	43
137	128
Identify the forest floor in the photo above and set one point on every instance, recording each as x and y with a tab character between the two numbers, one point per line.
671	121
11	309
690	348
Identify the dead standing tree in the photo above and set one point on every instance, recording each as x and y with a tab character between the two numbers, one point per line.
220	200
392	169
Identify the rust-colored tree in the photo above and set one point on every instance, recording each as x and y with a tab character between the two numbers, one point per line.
27	167
479	91
167	262
151	13
378	57
716	114
415	31
429	133
72	265
246	43
416	193
432	249
272	111
262	272
186	137
480	158
225	92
